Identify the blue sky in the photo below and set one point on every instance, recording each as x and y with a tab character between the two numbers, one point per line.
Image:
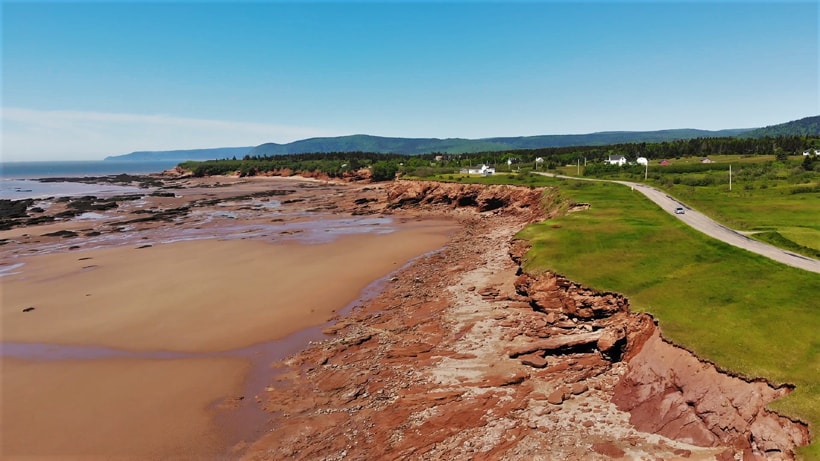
86	80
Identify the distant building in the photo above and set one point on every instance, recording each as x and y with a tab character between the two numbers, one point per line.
663	162
707	160
482	169
619	160
642	161
806	153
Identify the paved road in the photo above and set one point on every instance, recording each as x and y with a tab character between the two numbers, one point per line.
704	224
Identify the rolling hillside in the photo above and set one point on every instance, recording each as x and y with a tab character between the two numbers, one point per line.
367	143
809	126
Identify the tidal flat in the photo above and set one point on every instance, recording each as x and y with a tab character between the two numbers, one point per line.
135	330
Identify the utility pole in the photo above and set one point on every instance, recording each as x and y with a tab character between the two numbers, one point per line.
579	166
730	177
646	171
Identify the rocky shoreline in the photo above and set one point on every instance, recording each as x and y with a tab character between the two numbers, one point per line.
463	356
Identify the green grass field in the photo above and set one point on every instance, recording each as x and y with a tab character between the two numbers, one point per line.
742	311
776	202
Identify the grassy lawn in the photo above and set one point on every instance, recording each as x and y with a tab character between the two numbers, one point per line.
744	312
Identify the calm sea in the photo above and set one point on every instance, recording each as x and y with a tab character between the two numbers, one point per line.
17	179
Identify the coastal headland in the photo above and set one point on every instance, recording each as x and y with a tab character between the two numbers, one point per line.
225	318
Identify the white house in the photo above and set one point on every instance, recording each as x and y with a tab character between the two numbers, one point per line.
642	161
811	152
480	169
619	160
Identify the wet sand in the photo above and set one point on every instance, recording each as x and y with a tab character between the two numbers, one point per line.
195	301
114	408
198	296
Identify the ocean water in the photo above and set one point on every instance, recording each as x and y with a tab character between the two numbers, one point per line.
18	179
34	170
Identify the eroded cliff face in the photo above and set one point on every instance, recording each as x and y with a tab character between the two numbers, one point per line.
502	199
666	389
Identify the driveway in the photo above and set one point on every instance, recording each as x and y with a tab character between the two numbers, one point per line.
713	229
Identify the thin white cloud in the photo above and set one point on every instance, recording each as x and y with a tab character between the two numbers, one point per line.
29	134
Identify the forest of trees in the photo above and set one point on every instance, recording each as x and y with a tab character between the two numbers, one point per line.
804	127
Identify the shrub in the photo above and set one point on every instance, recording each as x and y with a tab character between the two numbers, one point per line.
384	171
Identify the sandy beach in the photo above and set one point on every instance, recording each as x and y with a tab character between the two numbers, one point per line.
130	347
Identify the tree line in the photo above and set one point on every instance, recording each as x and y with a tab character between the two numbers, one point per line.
332	164
696	147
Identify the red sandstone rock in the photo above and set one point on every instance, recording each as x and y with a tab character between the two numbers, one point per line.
504	380
550	318
578	388
608	449
533	360
609	338
556	342
668	391
507	200
409	350
556	397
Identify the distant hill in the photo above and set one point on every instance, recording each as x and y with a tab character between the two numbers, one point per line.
809	126
612	137
367	143
411	146
183	155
